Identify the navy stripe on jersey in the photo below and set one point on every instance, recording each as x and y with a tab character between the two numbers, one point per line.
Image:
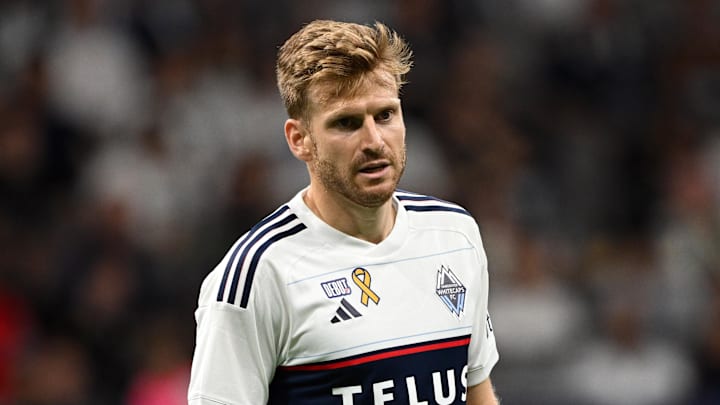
259	236
378	355
423	203
256	259
250	233
426	373
248	246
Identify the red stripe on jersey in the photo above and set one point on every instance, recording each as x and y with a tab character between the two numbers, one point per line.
379	356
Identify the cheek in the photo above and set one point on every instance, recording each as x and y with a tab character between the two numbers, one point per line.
333	154
396	139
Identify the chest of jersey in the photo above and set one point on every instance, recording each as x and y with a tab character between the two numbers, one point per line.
377	329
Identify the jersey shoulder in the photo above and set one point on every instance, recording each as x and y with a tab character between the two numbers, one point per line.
273	239
428	211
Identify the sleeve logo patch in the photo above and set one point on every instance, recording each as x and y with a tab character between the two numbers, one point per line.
451	291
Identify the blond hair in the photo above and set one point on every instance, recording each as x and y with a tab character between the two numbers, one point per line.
337	53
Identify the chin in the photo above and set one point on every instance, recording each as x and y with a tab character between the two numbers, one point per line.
374	198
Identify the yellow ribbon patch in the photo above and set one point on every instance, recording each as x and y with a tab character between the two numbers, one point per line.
364	284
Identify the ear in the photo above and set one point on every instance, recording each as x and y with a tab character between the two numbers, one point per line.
298	140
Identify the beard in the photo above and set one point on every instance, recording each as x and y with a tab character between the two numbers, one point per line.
341	180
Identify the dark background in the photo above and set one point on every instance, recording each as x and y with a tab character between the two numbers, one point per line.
139	139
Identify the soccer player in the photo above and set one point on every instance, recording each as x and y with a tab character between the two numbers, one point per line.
353	292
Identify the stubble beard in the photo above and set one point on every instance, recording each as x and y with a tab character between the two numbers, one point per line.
334	179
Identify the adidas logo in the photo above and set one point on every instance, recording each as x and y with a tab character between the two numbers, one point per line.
345	312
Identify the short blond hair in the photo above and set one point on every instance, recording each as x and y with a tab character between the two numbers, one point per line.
338	53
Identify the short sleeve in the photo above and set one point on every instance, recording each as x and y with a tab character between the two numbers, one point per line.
236	348
483	353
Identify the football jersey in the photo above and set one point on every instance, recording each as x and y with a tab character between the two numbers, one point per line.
300	313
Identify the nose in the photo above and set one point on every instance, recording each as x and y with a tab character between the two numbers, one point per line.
372	139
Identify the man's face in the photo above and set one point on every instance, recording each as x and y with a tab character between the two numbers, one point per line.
358	142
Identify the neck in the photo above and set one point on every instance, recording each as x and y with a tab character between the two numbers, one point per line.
372	224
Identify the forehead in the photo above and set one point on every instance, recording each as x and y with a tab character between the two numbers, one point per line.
330	96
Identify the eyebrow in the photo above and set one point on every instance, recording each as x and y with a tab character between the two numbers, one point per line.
345	111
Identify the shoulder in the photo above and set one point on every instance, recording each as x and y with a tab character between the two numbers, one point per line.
428	213
432	211
425	203
276	238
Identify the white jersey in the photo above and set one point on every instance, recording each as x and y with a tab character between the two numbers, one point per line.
301	313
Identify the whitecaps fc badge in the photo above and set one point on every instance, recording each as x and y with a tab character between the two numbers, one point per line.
451	291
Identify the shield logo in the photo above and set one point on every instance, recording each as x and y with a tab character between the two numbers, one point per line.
451	291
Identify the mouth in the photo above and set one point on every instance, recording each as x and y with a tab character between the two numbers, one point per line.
374	167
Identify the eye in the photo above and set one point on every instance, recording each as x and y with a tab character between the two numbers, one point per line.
347	123
385	115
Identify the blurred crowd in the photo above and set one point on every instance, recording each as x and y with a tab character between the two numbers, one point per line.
139	139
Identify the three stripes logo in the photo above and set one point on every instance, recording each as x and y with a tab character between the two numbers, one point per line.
345	312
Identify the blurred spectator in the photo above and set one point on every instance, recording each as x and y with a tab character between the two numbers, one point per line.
554	320
97	78
708	353
15	326
56	372
139	177
688	240
534	299
427	168
626	365
164	371
22	30
627	353
106	286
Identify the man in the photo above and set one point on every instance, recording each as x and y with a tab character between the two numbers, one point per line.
353	292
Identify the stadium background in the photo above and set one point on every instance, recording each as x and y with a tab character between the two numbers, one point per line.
138	139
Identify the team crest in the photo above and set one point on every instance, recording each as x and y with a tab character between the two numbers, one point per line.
451	291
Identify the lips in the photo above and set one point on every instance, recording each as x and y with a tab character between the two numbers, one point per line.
373	167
